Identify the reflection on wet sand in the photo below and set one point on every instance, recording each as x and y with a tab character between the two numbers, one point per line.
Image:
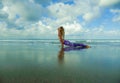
74	48
61	56
66	49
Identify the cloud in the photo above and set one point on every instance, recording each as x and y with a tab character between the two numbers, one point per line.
60	10
39	29
3	16
26	10
100	33
17	14
116	13
1	5
40	18
73	28
79	8
106	3
33	30
92	15
43	2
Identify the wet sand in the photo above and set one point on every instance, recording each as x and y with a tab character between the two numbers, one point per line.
33	62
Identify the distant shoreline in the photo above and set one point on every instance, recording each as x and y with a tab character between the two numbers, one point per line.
57	39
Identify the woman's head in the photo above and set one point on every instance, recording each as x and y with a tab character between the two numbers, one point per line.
61	27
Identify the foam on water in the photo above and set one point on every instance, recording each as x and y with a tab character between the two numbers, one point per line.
100	41
56	41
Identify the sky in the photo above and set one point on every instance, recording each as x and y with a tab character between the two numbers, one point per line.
39	19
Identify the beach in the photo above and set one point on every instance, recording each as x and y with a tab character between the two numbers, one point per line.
44	61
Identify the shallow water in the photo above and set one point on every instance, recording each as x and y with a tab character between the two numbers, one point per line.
38	61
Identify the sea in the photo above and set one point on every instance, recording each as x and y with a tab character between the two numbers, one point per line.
44	61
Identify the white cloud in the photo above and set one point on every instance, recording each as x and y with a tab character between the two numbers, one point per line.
116	18
26	10
115	10
21	14
108	2
113	32
116	13
30	18
33	30
5	32
1	5
60	10
80	8
72	28
94	13
3	15
40	30
88	9
44	2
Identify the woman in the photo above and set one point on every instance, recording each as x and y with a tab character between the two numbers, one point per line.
61	35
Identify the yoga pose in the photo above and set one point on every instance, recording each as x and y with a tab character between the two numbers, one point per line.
61	35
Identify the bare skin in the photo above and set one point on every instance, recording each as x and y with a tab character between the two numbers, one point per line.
61	35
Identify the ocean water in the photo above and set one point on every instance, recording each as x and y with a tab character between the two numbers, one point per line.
44	61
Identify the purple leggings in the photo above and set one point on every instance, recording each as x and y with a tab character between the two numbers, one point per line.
68	43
